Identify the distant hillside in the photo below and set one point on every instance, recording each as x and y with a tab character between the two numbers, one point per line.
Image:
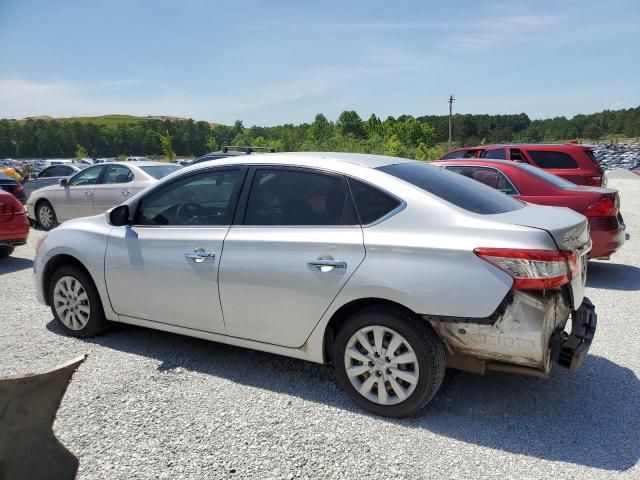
111	120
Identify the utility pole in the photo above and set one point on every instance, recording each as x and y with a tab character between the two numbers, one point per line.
451	100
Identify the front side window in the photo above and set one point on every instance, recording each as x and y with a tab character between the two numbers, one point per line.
47	172
90	176
160	171
117	174
548	159
491	177
205	199
287	197
453	188
497	154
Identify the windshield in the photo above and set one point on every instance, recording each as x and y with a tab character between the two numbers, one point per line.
457	189
159	171
546	176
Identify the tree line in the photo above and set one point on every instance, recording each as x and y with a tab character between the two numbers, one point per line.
421	138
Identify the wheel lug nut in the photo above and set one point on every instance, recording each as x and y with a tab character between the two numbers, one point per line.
388	371
371	363
376	354
387	359
379	373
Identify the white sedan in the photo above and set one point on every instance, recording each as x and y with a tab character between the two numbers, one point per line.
93	190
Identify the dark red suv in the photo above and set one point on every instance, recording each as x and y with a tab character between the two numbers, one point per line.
572	162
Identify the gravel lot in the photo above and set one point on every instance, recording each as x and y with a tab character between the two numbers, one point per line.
149	404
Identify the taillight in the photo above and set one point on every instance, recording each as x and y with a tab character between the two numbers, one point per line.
533	269
18	208
18	188
606	206
594	180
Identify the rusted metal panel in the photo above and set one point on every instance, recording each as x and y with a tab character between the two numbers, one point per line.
28	406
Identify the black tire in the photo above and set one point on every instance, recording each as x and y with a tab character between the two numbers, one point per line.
97	323
425	343
6	250
54	219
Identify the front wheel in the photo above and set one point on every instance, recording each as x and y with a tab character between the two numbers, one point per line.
389	361
75	302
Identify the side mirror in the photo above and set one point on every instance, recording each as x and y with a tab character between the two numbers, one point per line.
118	216
64	182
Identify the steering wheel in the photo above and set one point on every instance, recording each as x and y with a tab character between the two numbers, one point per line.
192	210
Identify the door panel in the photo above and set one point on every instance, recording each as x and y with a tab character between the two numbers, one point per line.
74	202
148	275
268	290
110	195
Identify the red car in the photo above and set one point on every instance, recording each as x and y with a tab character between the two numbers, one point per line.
572	162
14	224
600	205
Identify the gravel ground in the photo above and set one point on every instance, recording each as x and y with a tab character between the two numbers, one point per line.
149	404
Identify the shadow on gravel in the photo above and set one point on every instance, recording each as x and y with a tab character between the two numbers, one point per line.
14	264
588	418
613	276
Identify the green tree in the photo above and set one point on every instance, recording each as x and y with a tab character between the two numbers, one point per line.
212	143
422	152
350	123
167	149
394	147
81	152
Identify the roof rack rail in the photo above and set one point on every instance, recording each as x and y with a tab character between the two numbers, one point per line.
247	150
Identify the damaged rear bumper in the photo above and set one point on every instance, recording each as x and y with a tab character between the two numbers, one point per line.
526	335
570	349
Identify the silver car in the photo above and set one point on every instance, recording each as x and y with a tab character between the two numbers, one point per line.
50	176
93	190
390	269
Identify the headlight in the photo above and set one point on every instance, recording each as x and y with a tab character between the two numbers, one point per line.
40	241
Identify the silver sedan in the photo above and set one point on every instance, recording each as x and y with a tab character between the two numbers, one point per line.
93	190
389	269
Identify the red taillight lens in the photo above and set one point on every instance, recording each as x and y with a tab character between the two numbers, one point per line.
594	181
18	188
533	269
18	208
605	207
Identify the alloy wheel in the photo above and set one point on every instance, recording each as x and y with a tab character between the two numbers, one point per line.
45	216
71	303
381	365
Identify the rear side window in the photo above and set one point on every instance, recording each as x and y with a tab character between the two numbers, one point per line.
498	154
457	189
290	197
371	203
548	159
491	177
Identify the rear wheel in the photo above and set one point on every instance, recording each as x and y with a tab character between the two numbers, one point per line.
75	302
389	361
45	215
6	250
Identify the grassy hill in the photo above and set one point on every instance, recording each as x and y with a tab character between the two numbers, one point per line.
110	120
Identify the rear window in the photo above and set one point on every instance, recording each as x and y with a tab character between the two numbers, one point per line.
159	171
548	159
461	191
546	176
460	154
497	154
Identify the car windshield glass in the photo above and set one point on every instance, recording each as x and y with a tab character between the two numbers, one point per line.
549	177
159	171
457	189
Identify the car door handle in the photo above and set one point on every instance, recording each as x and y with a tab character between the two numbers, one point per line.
88	192
199	255
126	192
327	263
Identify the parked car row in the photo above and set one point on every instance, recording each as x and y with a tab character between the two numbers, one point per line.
390	269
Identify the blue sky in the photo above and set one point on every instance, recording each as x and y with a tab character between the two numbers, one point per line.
273	62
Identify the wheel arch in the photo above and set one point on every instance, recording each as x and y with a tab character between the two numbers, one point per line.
342	314
53	264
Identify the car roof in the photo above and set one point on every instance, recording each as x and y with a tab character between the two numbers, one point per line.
308	159
144	163
474	160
